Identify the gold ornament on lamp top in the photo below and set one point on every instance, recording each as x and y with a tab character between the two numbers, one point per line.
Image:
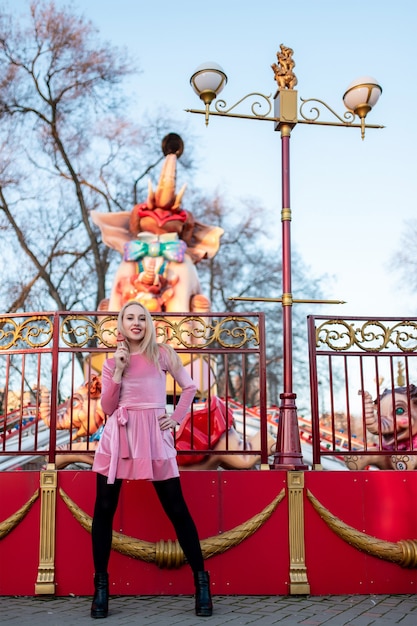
283	70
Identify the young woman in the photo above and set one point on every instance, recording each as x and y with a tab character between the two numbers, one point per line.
137	444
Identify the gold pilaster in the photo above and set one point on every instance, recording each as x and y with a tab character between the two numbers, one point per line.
299	584
45	583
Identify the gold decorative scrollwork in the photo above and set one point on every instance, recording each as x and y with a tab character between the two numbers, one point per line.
190	331
256	107
403	553
7	525
35	332
314	112
80	330
372	336
229	332
236	337
169	554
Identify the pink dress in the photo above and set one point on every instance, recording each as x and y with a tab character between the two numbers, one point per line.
132	445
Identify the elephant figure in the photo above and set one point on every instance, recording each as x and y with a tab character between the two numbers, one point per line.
397	425
160	244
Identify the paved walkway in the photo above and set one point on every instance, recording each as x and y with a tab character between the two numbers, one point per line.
384	610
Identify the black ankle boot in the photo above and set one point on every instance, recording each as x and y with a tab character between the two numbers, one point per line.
203	603
100	606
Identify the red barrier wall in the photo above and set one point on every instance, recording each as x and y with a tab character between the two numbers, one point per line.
218	500
19	548
381	504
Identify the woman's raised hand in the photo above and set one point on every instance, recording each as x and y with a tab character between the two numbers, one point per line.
121	355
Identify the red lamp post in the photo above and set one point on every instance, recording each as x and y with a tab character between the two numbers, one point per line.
288	453
207	81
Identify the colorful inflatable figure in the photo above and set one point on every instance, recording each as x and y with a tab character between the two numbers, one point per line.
397	426
213	428
81	413
397	415
160	244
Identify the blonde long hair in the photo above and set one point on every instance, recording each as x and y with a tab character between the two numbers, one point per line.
149	346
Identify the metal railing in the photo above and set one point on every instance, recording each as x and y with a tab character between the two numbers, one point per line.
50	365
362	377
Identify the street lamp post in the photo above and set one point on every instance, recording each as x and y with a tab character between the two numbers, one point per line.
360	97
288	449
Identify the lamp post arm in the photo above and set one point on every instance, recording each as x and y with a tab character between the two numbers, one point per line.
265	118
294	300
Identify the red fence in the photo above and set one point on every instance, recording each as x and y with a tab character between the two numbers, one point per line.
50	365
363	374
362	379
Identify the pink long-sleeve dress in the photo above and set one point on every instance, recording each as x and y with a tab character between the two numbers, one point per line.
132	445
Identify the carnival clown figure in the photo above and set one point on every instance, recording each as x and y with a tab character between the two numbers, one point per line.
160	244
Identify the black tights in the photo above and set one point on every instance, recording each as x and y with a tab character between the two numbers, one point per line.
172	500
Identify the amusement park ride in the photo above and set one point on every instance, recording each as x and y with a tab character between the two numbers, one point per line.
255	476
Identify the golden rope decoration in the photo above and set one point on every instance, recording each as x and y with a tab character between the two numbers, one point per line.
403	553
169	553
11	522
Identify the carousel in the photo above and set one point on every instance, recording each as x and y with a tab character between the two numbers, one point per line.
285	503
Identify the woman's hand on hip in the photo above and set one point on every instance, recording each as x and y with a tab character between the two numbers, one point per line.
166	422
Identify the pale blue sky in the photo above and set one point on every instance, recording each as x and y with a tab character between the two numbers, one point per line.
349	198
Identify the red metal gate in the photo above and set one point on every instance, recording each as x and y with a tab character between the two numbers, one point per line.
51	365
